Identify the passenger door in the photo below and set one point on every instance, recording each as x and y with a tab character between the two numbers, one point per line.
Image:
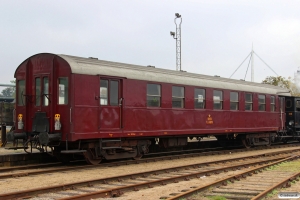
41	94
282	112
110	104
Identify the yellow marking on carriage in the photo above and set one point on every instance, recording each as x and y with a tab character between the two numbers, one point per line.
110	134
209	120
57	117
166	133
20	116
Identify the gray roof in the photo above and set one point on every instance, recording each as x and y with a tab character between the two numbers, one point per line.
92	66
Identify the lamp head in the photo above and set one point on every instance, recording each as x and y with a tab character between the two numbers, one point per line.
177	15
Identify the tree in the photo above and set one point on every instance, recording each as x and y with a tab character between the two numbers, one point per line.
284	83
9	91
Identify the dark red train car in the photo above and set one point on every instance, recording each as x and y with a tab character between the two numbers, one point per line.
113	110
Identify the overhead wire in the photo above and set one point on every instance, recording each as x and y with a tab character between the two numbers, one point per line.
265	63
240	65
248	66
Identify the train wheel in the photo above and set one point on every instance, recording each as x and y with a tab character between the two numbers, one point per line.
138	156
246	143
268	145
90	157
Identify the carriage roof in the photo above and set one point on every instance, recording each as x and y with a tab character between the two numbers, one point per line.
93	66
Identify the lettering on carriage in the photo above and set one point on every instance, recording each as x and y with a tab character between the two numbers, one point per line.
165	133
110	134
131	134
209	120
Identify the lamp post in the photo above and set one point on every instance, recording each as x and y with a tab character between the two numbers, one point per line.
177	36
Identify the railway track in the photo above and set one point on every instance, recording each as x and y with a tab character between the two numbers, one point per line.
252	184
115	186
153	157
54	167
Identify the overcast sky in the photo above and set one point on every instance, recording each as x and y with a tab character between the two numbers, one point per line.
217	35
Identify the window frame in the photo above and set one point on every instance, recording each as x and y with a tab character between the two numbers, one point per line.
46	96
288	103
220	101
236	103
272	104
150	96
21	100
66	94
297	105
109	94
249	102
111	97
196	99
38	91
182	99
259	103
102	96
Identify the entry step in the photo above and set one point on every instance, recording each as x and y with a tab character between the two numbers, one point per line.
73	151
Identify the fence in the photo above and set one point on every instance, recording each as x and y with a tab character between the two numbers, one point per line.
6	113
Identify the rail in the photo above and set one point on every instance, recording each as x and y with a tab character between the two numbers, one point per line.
115	191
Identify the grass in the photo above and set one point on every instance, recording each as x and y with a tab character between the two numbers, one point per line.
216	198
271	194
293	166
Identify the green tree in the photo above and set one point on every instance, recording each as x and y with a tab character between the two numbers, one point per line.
9	91
284	83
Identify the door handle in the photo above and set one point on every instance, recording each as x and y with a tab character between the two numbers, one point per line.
70	115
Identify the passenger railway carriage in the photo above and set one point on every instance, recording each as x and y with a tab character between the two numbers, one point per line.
113	110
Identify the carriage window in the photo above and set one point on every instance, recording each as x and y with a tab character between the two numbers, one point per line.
37	91
288	103
248	101
234	101
261	102
218	100
114	93
103	92
46	91
272	104
177	97
297	105
109	92
199	97
63	89
21	93
153	95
